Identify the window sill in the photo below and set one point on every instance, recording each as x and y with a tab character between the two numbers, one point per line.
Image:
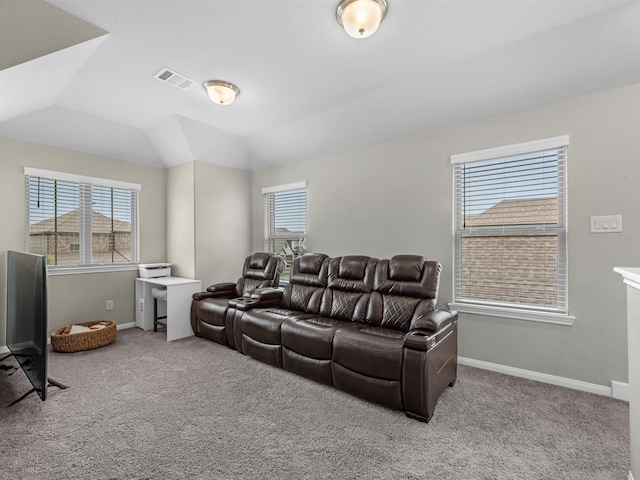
83	269
517	314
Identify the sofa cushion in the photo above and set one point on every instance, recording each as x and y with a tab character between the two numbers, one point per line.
392	311
353	273
402	286
307	283
258	261
370	351
409	276
313	368
302	298
350	279
406	268
263	324
263	266
384	392
212	310
311	337
309	269
344	305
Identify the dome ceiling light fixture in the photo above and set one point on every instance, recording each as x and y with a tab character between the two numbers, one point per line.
220	92
361	18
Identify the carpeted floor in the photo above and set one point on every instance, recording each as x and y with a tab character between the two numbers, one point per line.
144	408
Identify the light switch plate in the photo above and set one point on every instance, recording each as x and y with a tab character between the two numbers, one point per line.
606	224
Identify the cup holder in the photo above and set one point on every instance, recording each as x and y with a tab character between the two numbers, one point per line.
419	334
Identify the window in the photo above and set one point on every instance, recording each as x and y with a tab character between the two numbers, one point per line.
81	222
285	222
510	231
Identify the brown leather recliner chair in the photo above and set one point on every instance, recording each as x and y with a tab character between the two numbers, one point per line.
208	309
258	331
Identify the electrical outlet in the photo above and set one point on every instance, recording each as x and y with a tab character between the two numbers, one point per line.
109	305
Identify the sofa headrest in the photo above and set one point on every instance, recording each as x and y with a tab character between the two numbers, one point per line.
408	276
406	268
309	269
262	266
259	260
352	273
311	263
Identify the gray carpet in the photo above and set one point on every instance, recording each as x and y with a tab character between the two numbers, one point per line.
144	408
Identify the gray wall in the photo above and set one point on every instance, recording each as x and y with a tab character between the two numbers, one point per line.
222	221
396	197
207	221
181	233
79	298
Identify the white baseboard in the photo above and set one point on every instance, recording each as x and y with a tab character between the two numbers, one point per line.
619	391
124	326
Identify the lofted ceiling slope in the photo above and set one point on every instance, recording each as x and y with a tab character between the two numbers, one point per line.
78	74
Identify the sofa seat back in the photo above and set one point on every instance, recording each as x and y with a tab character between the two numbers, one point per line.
405	287
349	284
260	270
307	283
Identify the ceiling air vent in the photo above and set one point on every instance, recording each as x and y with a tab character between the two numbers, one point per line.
174	79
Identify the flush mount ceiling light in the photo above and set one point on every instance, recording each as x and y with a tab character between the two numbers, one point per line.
222	93
361	18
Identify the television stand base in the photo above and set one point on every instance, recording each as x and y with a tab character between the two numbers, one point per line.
56	383
50	382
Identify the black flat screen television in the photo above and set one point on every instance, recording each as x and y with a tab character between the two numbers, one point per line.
27	317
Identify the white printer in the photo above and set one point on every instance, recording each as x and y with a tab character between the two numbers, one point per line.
154	270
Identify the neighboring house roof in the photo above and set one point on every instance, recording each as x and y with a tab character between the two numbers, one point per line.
289	233
526	211
70	223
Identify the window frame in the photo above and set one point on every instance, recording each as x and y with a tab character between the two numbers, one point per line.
85	234
495	308
269	235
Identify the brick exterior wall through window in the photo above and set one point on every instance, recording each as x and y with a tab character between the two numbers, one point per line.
519	269
496	267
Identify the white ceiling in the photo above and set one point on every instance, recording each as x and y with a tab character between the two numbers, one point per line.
307	89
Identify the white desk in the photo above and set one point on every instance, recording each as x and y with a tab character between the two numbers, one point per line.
178	305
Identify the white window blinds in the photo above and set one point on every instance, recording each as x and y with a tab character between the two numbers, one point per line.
81	221
510	212
285	222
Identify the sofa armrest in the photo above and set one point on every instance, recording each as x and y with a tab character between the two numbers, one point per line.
267	294
432	320
429	329
260	298
429	363
224	288
242	303
219	290
419	340
202	295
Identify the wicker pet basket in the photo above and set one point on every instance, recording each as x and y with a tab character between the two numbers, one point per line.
64	342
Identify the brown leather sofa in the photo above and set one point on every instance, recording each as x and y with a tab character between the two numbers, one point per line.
366	326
